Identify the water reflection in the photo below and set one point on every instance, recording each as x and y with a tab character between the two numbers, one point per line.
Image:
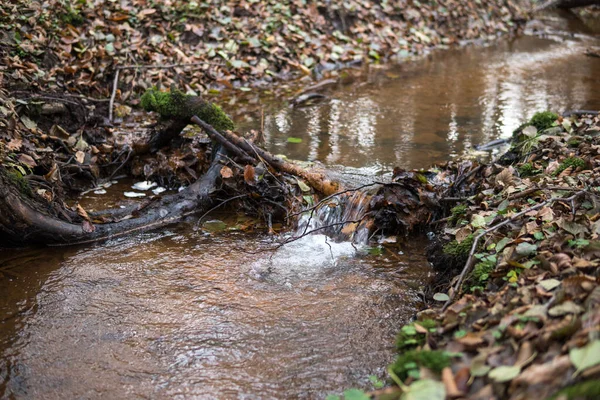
423	112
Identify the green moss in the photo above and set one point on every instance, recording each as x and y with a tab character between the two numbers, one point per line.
459	250
481	272
21	183
71	17
583	390
408	363
543	120
457	212
574	162
527	169
178	105
408	336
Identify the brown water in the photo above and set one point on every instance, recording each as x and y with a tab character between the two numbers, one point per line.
429	110
183	314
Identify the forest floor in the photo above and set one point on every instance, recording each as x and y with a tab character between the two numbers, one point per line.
523	322
517	311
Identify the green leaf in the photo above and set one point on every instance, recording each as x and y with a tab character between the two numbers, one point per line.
478	365
441	297
505	373
526	249
303	186
333	397
214	225
538	236
239	64
549	284
292	139
478	221
502	244
425	389
356	394
29	124
585	357
377	383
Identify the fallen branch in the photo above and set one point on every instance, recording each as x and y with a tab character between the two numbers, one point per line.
518	215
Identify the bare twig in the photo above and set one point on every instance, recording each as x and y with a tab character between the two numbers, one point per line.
518	215
113	94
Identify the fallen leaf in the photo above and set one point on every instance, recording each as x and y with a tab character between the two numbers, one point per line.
505	177
441	297
425	389
226	172
549	284
504	373
585	357
80	157
568	307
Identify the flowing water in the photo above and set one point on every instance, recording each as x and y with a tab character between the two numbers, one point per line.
181	313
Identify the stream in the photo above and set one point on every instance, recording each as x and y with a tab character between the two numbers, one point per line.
186	313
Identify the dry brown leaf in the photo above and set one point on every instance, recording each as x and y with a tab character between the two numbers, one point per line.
505	178
448	380
82	213
249	174
26	159
14	144
226	172
80	157
544	373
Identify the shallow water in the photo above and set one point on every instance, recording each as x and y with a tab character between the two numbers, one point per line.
431	109
183	314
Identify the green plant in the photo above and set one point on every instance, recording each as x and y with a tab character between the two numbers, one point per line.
408	363
574	162
579	243
583	390
543	120
459	250
458	212
408	336
528	169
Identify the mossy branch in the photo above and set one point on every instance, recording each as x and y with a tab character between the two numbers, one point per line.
178	105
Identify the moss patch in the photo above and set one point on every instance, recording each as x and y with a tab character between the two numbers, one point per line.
459	250
543	120
527	169
178	105
574	162
408	363
16	178
457	212
584	390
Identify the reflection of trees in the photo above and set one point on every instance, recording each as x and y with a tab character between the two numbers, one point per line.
442	104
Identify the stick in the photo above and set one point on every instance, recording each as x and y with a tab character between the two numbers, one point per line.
217	136
467	266
112	95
